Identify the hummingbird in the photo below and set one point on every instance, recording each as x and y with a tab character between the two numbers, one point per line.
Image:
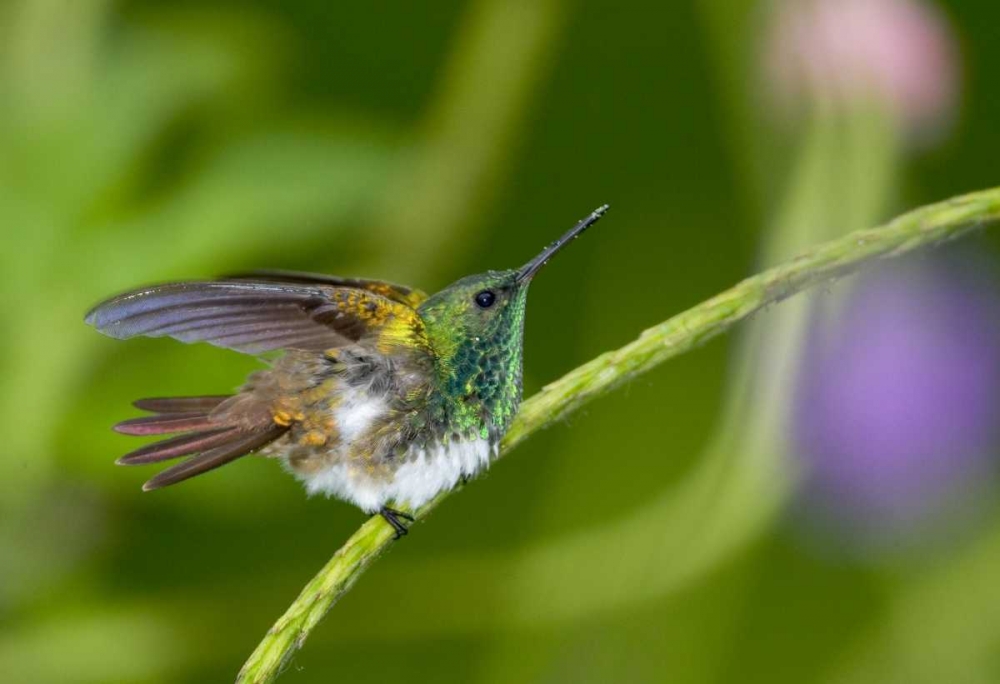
379	395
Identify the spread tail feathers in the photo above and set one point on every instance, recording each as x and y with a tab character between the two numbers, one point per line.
209	436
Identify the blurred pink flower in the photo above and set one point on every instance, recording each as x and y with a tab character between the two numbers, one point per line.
898	53
897	412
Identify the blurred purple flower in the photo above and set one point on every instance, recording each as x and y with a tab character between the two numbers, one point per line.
899	53
896	417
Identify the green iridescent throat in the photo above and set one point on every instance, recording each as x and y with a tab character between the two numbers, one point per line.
477	353
476	331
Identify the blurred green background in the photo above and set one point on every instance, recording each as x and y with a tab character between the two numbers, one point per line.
663	533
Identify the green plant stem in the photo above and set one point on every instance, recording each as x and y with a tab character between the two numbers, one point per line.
923	227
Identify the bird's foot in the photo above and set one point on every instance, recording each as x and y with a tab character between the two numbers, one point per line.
395	519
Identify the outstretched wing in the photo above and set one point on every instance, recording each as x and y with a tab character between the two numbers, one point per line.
258	316
398	293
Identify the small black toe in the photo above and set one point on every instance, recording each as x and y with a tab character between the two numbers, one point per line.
395	519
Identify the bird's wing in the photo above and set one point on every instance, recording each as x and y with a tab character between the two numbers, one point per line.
255	317
398	293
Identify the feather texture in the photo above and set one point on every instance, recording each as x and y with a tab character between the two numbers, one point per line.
410	296
167	423
248	317
240	445
203	404
177	446
253	317
217	430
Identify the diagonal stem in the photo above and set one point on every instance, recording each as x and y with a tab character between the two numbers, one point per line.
923	227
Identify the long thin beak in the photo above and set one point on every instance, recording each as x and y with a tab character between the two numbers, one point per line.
531	268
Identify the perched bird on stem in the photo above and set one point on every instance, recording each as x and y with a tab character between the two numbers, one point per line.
383	396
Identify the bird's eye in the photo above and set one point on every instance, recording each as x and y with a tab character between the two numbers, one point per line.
485	299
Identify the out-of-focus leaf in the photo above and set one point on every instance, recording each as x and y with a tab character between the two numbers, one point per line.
91	645
266	193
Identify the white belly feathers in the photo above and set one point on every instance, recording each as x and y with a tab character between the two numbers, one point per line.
414	483
424	472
